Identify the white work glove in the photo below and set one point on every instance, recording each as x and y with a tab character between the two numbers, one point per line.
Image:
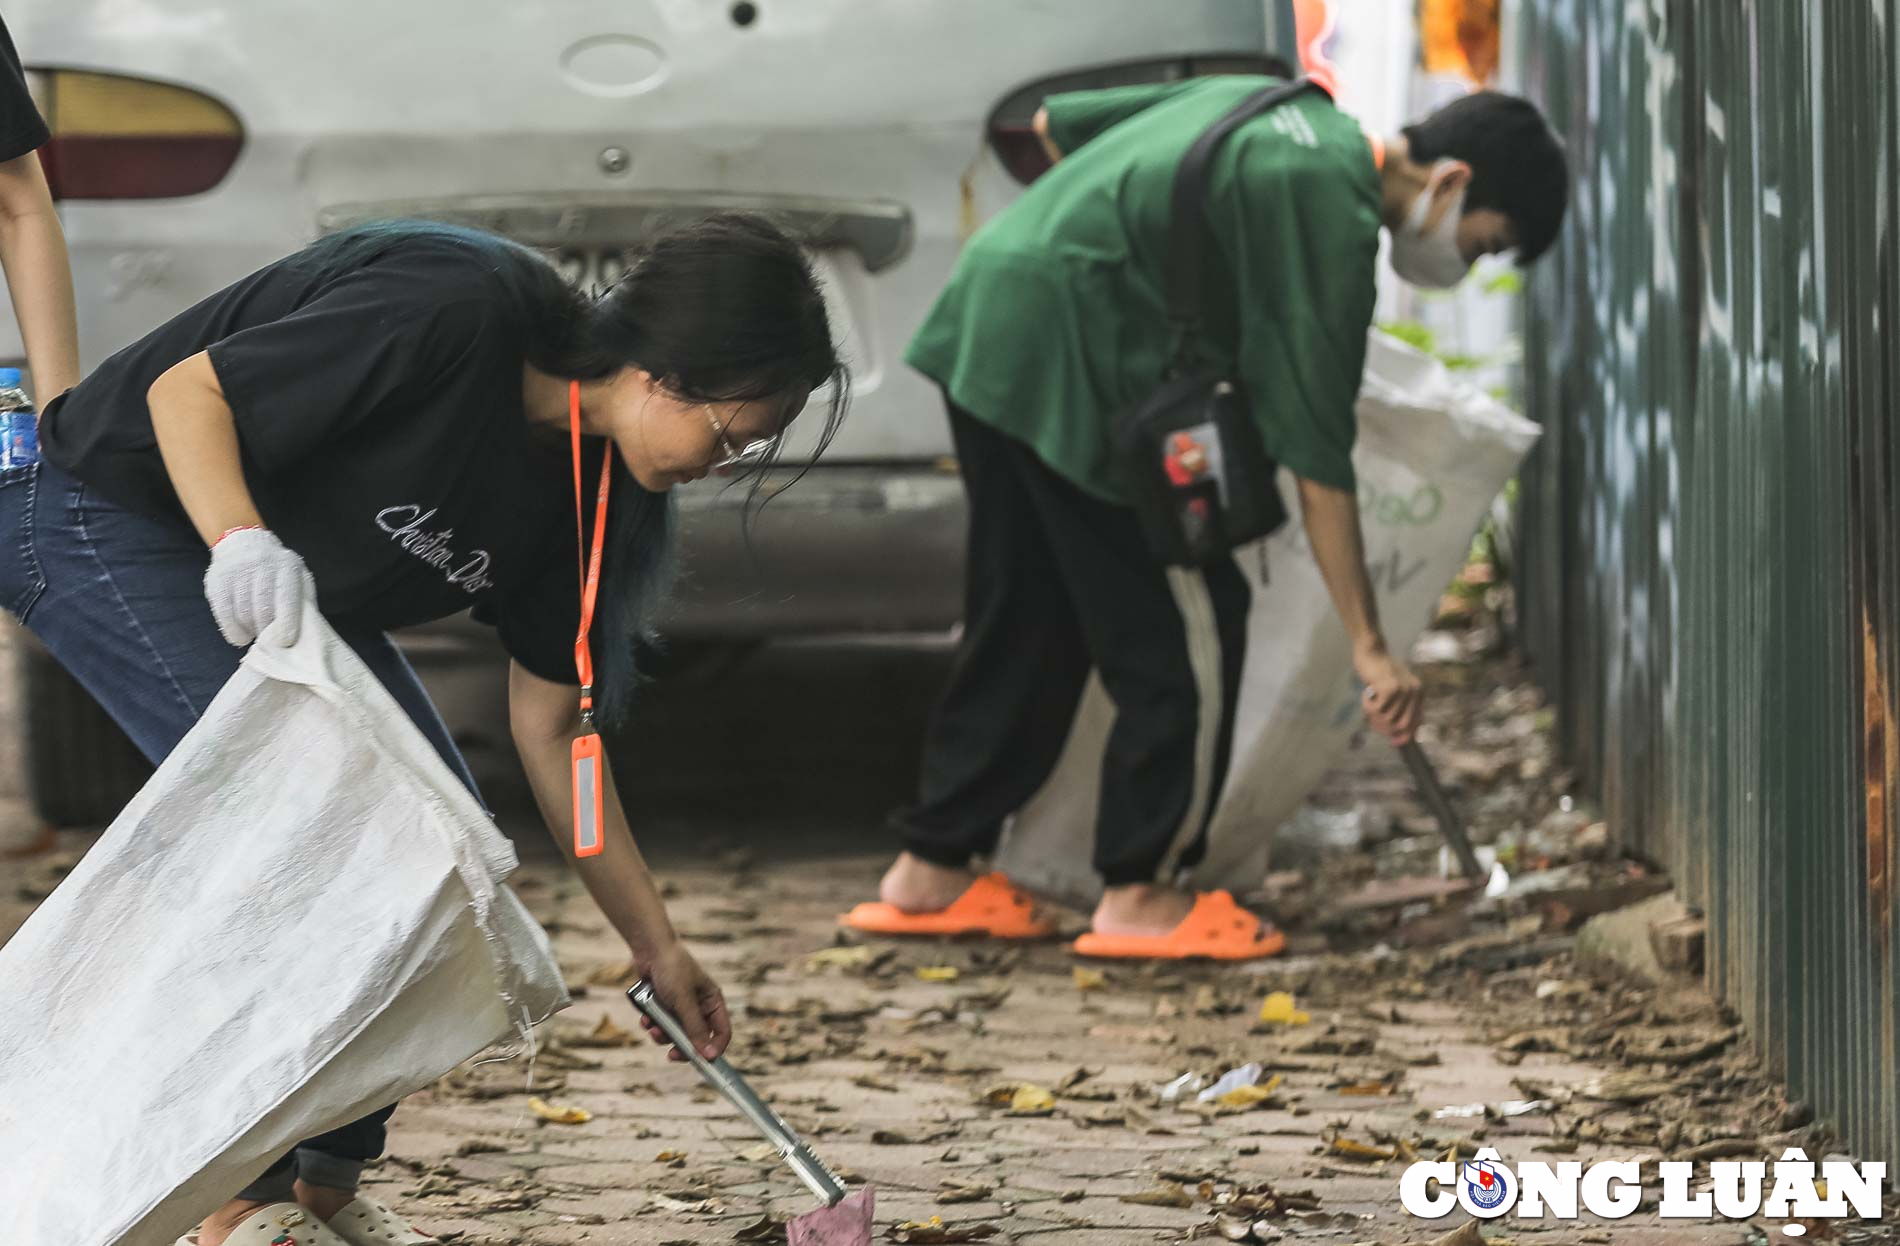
255	584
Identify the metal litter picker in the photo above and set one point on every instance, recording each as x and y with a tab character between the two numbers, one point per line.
839	1221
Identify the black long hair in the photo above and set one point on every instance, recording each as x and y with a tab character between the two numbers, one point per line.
721	310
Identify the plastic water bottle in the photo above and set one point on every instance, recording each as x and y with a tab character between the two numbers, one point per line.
19	423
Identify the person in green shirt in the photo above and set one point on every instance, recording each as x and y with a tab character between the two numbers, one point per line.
1053	324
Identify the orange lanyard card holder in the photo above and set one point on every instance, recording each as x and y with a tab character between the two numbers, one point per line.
590	765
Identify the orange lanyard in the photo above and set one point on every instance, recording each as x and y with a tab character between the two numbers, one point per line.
589	563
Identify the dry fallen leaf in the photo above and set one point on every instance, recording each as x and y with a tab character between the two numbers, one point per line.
1031	1101
767	1228
1244	1097
672	1159
1278	1009
840	957
871	1081
559	1114
963	1192
1089	979
1359	1150
934	1232
606	1034
1161	1196
939	973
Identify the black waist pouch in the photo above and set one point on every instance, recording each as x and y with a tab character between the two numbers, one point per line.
1190	453
1202	482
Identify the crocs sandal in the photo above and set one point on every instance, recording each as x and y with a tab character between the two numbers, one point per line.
367	1222
1216	929
280	1224
991	906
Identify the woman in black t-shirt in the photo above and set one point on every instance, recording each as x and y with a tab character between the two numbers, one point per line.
380	426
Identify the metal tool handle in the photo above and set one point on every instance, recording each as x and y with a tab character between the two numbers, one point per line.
1450	825
820	1180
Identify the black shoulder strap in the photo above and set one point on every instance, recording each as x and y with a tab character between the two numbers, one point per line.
1187	219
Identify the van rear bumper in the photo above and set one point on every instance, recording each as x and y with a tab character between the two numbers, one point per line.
847	548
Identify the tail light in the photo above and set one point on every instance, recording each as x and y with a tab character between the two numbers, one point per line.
1011	132
117	137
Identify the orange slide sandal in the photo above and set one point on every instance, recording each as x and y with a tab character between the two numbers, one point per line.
991	905
1217	929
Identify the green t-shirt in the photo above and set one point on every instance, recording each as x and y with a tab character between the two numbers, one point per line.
1054	321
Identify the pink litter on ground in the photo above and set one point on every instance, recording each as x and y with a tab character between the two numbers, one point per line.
846	1224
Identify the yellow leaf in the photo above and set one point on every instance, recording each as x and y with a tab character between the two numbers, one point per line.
1359	1150
1249	1096
559	1113
938	973
1278	1009
1089	979
839	957
1031	1101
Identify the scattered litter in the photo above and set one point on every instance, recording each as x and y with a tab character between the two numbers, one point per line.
1232	1079
693	1207
559	1114
1561	988
1504	1110
1186	1084
1089	979
963	1192
1278	1009
939	973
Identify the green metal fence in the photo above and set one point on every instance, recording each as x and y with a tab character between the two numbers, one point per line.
1709	582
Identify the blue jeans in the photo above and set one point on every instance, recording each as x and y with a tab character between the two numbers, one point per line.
118	599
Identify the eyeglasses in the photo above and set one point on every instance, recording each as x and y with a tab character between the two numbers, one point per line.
730	456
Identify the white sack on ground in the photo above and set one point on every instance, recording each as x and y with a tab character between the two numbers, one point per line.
300	919
1432	454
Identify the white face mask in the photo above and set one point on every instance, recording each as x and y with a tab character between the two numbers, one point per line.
1430	259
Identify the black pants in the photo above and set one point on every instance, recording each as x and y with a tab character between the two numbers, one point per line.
1060	581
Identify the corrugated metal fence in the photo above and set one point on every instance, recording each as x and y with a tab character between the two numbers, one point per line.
1709	581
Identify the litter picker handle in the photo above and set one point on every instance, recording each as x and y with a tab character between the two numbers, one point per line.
1450	825
820	1180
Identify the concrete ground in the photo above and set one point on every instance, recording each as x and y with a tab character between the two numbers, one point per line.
761	794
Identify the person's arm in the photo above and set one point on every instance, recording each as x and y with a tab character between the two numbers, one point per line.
197	439
39	278
1041	126
1393	698
255	583
1071	118
544	718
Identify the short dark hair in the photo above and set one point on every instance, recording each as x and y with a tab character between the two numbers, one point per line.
723	309
1517	162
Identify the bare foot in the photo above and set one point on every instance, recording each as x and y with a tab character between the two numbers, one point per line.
914	885
1141	909
323	1200
221	1223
